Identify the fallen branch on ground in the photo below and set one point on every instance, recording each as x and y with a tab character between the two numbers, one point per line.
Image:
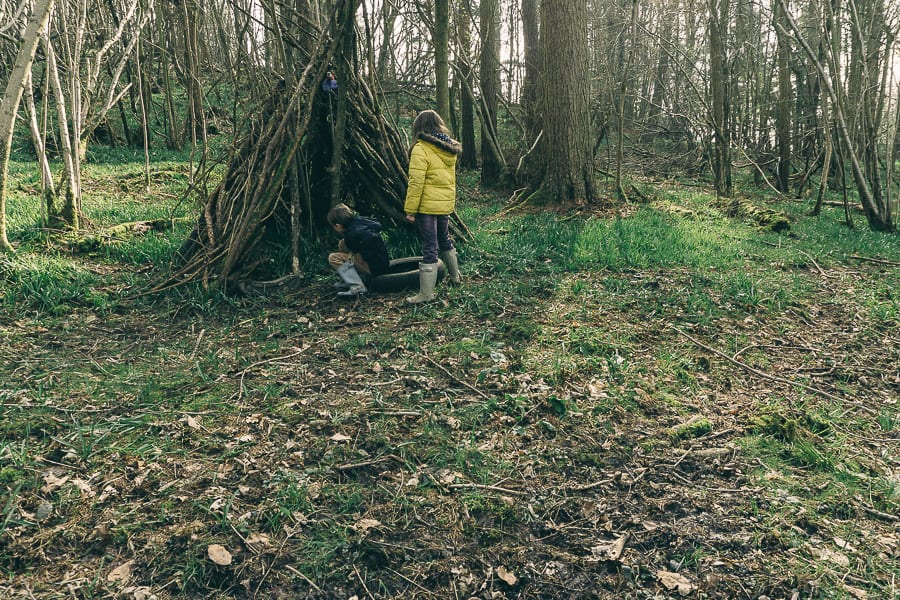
768	376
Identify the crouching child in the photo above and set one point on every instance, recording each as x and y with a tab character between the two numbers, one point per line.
361	253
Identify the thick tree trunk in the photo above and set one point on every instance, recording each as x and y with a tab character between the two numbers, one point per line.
469	157
567	159
530	84
12	96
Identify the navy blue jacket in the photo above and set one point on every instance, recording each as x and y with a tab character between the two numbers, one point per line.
362	235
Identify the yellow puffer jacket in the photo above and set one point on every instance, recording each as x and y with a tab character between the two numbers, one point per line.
432	176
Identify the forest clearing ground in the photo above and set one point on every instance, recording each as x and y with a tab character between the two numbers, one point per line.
549	437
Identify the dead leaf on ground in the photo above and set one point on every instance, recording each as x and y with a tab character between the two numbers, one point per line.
675	581
364	525
838	558
191	422
53	482
258	538
340	437
506	576
219	555
120	573
84	487
612	550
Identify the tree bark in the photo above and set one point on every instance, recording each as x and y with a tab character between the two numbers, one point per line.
783	112
721	102
491	163
12	96
530	84
566	157
442	57
469	157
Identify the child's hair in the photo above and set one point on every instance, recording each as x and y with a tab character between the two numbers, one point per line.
428	121
340	214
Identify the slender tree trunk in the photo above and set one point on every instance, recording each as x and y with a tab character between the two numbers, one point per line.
826	162
385	63
491	165
721	103
145	126
783	113
48	190
346	62
70	189
9	104
469	157
623	91
442	57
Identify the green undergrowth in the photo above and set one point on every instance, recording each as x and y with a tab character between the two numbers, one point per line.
721	394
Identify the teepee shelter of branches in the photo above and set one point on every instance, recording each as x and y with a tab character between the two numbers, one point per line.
272	185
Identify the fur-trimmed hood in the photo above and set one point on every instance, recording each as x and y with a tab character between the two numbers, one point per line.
442	141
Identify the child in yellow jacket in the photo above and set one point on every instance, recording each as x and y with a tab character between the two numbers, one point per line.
431	198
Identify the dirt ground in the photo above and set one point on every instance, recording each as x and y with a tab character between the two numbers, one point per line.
308	448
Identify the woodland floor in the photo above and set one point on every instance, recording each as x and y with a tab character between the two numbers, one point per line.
559	437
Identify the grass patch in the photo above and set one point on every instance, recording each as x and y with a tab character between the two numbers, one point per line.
514	422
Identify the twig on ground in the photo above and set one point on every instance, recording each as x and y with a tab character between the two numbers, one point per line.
407	579
765	375
197	345
589	486
881	515
365	587
367	463
815	264
880	261
477	486
265	362
456	379
711	489
303	577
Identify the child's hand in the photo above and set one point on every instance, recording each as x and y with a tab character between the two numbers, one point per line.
411	218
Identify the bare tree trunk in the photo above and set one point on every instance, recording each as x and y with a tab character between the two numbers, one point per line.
386	61
719	78
9	104
441	57
878	215
567	157
491	162
145	126
469	157
826	162
71	180
620	107
530	84
346	60
783	113
48	190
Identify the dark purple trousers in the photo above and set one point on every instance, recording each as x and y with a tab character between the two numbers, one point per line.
434	232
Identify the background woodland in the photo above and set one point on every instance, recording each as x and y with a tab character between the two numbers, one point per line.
551	100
